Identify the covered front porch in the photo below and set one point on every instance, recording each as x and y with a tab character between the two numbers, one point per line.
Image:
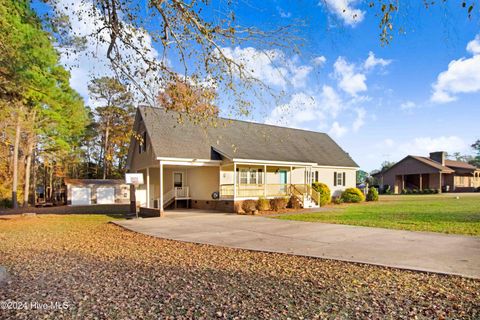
213	184
242	180
420	181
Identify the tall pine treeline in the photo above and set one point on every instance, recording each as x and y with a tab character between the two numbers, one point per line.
46	131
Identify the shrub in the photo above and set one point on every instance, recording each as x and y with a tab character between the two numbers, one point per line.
386	189
279	203
6	203
352	195
237	207
249	205
337	200
324	190
294	203
372	194
263	204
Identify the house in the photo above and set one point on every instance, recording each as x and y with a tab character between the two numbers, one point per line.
435	172
219	166
97	191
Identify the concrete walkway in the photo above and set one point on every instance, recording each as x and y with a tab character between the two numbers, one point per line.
424	251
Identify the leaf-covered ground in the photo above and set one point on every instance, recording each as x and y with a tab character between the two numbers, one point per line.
103	271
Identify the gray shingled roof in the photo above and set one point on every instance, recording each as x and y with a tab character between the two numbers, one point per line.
239	139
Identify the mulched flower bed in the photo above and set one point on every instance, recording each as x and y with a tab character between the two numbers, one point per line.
102	271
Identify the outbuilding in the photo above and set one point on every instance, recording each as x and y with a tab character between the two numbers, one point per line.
433	172
97	191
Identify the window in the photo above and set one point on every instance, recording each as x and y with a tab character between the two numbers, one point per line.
250	176
339	178
316	176
178	179
243	176
253	177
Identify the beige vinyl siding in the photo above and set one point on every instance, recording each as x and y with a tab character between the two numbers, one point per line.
326	175
144	159
203	181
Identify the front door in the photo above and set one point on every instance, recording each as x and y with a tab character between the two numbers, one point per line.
178	179
283	181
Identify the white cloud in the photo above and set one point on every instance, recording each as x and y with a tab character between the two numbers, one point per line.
373	61
349	80
299	75
283	14
360	119
304	109
422	146
319	61
300	109
270	66
330	101
461	76
337	130
474	46
344	10
408	105
388	142
322	109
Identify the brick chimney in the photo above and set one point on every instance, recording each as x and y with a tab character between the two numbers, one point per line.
438	156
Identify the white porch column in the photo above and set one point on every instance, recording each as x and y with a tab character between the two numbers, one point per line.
148	187
265	180
160	205
234	180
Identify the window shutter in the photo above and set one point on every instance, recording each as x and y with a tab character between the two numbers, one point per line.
335	179
344	179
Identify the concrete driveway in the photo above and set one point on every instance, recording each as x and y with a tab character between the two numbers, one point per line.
424	251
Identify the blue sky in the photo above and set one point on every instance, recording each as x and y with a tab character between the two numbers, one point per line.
420	93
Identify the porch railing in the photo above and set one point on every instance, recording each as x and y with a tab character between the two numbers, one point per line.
272	190
182	192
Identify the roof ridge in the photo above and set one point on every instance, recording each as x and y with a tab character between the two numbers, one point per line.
250	122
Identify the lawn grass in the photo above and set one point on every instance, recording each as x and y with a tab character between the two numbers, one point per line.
102	271
437	213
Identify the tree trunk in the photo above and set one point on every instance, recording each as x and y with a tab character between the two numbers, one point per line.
28	165
28	161
50	184
105	149
16	147
34	178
